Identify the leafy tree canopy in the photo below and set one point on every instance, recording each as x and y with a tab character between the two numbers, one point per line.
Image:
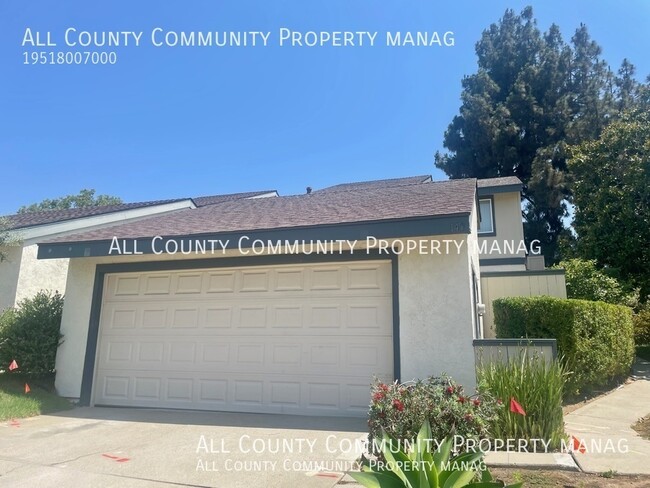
85	198
611	193
533	96
585	281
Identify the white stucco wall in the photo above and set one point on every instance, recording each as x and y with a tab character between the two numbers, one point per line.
436	318
36	275
435	306
9	270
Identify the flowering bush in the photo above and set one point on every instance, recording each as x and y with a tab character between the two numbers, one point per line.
401	409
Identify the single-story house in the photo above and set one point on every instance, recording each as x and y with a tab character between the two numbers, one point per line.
22	275
279	305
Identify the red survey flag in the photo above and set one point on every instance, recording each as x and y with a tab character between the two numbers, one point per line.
578	445
27	388
13	365
515	407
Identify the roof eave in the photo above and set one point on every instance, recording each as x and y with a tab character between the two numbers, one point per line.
458	223
491	190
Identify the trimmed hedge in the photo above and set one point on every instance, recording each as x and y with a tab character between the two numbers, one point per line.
642	326
595	339
30	333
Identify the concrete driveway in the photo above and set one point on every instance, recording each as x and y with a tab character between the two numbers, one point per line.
123	447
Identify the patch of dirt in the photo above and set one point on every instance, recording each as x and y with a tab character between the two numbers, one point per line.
643	427
534	478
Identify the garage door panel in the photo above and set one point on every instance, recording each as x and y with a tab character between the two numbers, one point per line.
248	393
284	339
294	281
347	315
312	355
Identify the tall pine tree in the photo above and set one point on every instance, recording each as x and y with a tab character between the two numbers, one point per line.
532	96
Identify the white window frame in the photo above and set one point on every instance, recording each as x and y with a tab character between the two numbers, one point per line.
492	230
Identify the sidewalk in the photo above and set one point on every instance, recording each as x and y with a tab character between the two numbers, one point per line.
604	426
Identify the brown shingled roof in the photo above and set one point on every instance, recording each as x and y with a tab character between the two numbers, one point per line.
432	199
502	181
32	219
377	184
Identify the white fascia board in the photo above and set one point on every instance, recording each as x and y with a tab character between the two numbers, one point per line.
264	195
82	224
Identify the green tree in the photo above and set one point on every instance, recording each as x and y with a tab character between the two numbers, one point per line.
585	281
532	97
85	198
611	193
7	238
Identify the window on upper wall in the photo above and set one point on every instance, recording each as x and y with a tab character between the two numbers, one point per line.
486	224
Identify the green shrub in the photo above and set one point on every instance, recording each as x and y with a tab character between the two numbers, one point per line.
595	339
642	326
425	465
538	385
584	281
30	333
400	410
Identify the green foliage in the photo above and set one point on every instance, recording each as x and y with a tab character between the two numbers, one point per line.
595	339
16	404
538	385
30	333
425	466
586	282
611	193
85	198
532	96
7	238
400	410
642	326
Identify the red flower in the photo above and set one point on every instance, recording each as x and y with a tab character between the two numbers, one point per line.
450	390
477	402
462	399
378	396
383	387
398	405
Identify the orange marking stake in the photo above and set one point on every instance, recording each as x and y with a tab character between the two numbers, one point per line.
13	365
27	388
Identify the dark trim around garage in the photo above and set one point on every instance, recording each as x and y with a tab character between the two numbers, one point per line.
102	269
411	227
397	364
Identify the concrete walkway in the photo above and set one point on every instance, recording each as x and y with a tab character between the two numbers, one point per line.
138	448
604	427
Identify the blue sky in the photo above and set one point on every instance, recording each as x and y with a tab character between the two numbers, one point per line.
178	122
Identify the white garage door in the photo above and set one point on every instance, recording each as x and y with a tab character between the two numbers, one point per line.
303	339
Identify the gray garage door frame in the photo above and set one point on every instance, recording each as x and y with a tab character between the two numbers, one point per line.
101	270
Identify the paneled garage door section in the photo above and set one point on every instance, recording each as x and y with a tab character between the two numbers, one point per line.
300	339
